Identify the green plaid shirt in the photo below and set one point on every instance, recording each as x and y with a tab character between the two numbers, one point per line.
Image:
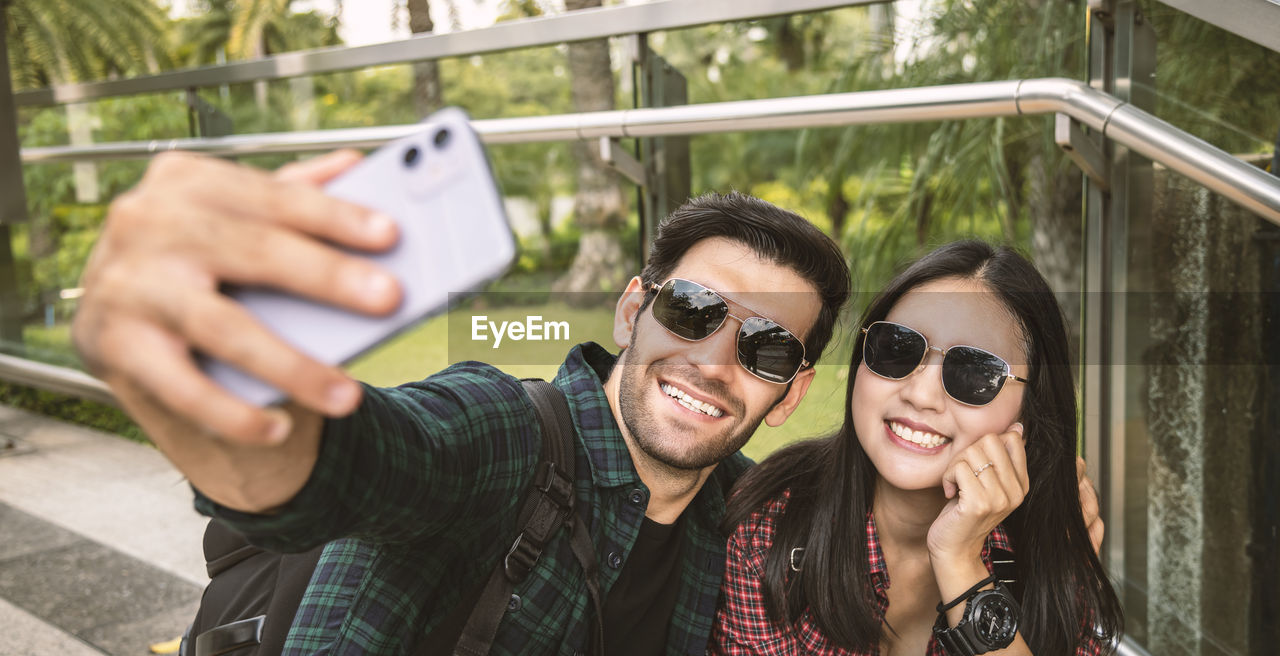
423	483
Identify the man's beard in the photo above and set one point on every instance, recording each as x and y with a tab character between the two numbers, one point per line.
647	433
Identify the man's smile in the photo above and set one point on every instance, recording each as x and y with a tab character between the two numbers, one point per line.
689	401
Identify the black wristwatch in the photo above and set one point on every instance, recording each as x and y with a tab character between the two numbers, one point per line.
990	621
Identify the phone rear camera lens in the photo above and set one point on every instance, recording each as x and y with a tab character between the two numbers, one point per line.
411	156
442	138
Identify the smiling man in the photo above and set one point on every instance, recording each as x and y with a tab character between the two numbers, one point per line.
416	488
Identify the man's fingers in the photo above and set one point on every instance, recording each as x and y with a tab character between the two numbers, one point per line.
258	196
260	353
158	365
320	169
196	316
204	320
294	263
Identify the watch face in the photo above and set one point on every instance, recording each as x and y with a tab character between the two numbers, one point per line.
995	620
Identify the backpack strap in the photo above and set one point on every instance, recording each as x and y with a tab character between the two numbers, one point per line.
547	506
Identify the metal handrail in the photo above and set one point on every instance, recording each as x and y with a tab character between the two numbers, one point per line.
511	35
54	379
1109	116
1115	119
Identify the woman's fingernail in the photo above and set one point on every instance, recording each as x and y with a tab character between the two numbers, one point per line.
1017	426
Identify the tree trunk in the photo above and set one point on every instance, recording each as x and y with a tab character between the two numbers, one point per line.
260	96
837	208
599	207
427	94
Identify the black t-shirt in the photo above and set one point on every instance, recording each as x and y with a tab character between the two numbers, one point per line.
638	610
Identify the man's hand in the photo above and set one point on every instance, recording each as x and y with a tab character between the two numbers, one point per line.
152	297
1089	505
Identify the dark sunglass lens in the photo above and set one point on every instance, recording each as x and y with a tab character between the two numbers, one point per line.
769	350
892	351
972	375
688	309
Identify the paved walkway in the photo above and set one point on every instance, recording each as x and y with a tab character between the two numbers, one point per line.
100	550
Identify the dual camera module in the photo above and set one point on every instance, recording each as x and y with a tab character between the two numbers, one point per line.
413	155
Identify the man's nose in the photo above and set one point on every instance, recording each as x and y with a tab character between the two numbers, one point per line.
718	352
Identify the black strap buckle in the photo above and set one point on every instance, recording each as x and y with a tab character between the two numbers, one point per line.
554	482
521	558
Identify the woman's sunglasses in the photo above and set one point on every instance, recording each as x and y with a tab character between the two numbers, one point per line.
693	312
970	375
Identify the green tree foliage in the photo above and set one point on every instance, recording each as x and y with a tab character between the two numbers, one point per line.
243	29
1209	82
889	191
52	41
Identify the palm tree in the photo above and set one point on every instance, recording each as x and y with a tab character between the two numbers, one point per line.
428	95
999	178
251	29
58	41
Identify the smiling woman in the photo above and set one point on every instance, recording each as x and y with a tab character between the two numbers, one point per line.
956	458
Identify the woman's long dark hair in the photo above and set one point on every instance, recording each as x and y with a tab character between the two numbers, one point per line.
1062	587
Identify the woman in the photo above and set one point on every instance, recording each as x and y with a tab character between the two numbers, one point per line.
937	473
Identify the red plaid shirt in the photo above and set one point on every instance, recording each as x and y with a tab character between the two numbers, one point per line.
742	625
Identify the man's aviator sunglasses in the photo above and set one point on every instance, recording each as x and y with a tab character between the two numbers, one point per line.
970	375
693	312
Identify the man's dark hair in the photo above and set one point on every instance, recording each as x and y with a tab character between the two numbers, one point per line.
782	237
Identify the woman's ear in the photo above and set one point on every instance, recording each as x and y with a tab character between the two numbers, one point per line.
628	309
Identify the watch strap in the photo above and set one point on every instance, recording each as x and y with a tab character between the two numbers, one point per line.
953	641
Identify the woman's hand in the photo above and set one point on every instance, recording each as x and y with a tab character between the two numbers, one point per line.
984	483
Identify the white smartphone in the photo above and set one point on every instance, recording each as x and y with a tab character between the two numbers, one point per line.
454	239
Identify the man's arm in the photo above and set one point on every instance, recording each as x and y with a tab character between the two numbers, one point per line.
152	296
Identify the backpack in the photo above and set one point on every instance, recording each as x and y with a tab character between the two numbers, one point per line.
253	594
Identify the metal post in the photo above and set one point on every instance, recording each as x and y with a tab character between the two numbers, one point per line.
667	170
13	194
1117	224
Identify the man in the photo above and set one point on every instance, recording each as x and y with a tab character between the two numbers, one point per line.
428	476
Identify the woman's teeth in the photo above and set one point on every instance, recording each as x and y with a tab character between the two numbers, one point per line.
690	402
927	440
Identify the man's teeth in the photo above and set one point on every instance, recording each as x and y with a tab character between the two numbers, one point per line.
690	402
927	440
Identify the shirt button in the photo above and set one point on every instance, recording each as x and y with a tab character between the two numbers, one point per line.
637	497
515	603
615	561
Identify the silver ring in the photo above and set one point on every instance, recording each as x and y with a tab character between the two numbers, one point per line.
981	469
